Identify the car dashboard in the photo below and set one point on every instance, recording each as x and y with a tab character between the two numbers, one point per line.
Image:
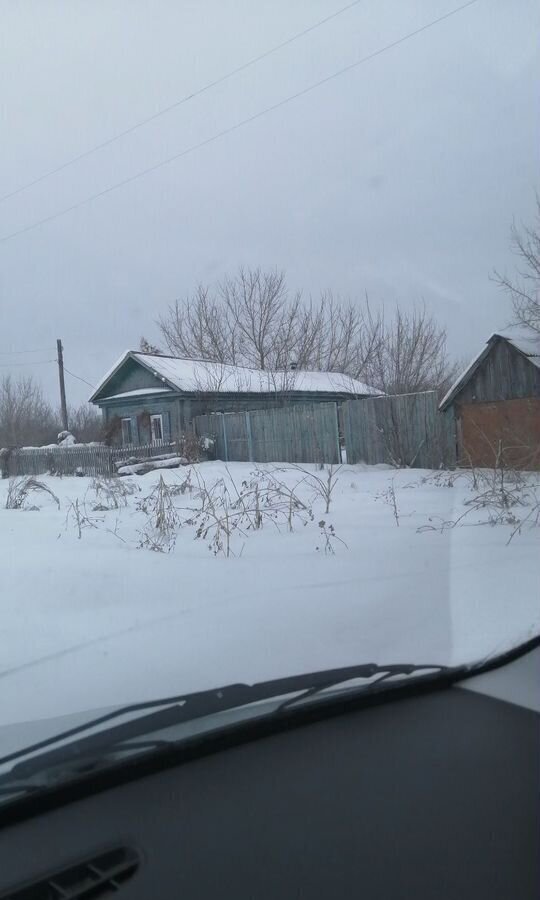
429	796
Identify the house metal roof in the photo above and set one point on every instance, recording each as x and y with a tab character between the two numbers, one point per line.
191	375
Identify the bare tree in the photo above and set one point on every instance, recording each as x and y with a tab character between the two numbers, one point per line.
146	347
338	335
28	419
216	377
411	355
25	416
85	423
262	316
524	288
252	319
246	320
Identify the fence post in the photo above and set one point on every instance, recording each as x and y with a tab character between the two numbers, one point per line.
224	429
337	435
347	440
249	437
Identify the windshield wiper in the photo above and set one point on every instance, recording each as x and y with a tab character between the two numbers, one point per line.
19	781
185	708
104	749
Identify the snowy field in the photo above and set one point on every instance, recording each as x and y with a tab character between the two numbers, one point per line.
94	620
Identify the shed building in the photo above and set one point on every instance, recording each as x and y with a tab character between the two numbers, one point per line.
496	403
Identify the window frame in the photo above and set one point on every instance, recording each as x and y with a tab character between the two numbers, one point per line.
128	420
153	418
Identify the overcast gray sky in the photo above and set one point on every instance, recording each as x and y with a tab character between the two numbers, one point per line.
400	178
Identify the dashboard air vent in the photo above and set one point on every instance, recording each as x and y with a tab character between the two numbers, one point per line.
97	876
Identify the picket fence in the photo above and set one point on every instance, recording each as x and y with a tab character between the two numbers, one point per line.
83	459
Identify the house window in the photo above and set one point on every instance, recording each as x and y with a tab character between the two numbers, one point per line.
156	429
127	432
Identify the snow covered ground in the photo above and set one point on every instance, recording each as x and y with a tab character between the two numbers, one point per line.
94	621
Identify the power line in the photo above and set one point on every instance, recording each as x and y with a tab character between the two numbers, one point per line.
181	101
42	362
10	352
78	377
238	125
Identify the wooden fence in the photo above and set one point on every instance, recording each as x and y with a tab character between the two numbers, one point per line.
403	430
84	459
406	430
286	434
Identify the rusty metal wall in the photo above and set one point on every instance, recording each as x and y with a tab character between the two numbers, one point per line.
505	432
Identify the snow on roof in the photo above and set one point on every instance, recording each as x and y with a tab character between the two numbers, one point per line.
527	343
211	377
139	392
201	375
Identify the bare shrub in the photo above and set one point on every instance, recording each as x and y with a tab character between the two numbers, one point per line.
223	513
500	496
397	453
389	496
271	499
111	493
190	447
183	487
20	489
214	521
449	478
163	519
194	448
323	485
229	510
78	516
530	520
154	542
328	538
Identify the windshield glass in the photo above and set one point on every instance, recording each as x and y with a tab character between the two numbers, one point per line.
270	352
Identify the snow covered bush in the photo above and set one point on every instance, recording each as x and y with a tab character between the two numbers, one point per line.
66	439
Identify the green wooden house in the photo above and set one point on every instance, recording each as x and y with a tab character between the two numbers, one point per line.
147	398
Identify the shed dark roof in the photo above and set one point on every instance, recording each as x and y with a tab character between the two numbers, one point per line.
528	344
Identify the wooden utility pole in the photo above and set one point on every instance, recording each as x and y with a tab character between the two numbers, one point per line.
63	404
